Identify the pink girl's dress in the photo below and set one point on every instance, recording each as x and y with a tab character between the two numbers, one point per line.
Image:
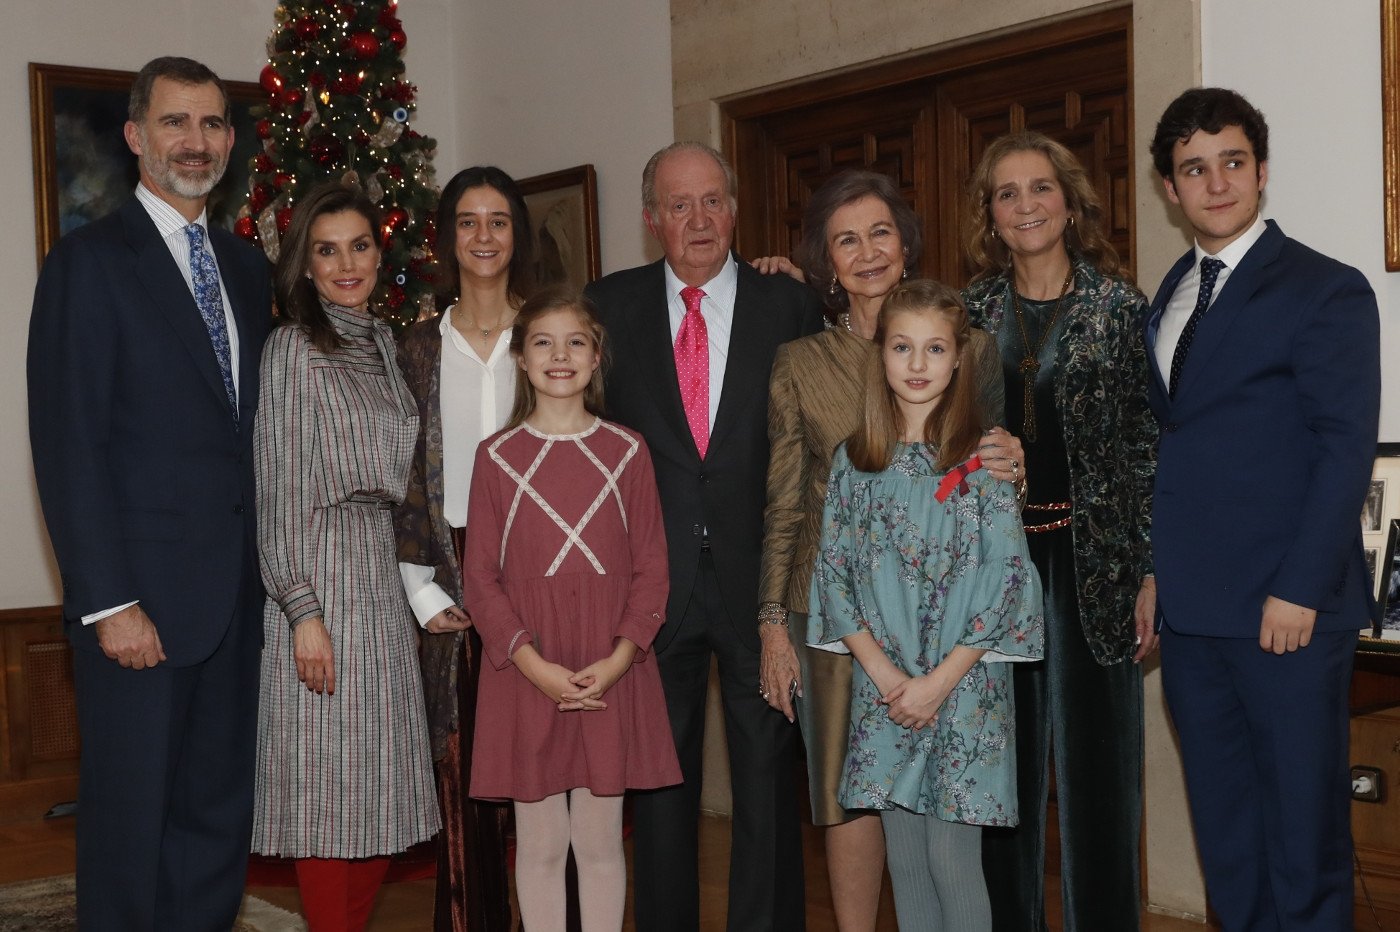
565	551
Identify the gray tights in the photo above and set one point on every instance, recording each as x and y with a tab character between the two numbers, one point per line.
936	868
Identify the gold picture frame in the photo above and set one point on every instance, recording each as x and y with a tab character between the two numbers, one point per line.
82	167
1390	123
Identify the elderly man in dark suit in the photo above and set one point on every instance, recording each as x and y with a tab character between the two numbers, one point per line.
143	377
694	337
1267	388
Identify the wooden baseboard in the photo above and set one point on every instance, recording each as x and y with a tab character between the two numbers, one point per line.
28	800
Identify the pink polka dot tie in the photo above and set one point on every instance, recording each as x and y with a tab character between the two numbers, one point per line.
693	368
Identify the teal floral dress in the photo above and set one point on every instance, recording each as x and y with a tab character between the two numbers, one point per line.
923	561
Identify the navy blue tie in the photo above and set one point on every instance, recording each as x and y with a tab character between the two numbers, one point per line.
207	295
1210	268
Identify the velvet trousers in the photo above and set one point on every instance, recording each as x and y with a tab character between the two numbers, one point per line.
1089	717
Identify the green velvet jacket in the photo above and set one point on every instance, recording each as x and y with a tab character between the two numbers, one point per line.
1111	438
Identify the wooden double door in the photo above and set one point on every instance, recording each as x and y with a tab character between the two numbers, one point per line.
924	121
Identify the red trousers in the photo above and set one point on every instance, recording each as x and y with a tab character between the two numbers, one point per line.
337	895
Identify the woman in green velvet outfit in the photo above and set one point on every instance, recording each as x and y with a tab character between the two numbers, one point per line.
1068	325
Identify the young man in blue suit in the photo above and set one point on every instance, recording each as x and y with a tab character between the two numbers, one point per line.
1267	389
143	381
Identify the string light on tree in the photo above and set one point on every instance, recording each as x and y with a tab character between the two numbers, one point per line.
338	106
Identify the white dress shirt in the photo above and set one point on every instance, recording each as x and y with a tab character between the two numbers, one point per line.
475	396
1183	300
170	224
717	307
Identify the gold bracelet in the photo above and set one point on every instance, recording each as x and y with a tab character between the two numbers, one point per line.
772	613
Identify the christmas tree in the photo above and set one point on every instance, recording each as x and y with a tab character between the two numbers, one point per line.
339	107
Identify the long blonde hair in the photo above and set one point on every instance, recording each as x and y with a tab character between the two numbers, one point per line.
1084	235
955	425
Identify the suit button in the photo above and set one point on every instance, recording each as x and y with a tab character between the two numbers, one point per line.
238	509
704	478
696	530
1170	428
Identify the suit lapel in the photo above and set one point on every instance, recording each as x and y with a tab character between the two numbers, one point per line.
242	302
1223	313
1154	318
170	295
744	373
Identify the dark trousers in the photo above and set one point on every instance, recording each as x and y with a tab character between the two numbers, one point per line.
765	861
1264	742
473	889
1091	717
165	790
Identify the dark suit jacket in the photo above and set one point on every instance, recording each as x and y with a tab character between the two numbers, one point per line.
1265	454
145	478
726	491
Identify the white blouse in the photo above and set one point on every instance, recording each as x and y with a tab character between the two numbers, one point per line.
476	396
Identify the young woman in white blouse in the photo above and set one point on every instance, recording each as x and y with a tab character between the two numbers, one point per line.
459	369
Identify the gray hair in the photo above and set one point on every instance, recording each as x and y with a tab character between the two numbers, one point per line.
181	70
731	181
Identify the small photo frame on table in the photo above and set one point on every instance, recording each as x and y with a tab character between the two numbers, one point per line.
82	166
564	214
1380	539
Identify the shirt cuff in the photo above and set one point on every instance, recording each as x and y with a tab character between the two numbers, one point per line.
425	597
95	617
299	604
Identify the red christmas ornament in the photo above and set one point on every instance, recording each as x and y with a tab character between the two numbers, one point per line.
361	136
246	228
430	231
348	83
304	117
364	45
394	295
395	172
262	163
264	128
307	27
325	149
259	197
395	218
284	219
397	37
293	96
281	180
270	80
389	19
316	79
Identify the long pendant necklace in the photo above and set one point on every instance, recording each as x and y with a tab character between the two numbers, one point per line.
1030	365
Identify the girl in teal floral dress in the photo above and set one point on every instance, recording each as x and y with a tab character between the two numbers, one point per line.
923	575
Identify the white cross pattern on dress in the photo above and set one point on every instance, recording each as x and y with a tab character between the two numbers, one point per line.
573	534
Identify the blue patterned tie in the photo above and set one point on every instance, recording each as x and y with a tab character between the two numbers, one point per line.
210	299
1210	268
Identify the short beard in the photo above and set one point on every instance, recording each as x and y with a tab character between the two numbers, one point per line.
175	181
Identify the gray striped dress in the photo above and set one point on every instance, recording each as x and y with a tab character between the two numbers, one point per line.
345	775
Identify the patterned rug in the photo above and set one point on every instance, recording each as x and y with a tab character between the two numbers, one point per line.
48	905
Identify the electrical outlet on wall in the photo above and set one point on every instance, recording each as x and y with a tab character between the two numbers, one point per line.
1367	785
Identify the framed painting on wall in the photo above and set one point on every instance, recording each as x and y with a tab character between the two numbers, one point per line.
82	166
564	214
1380	540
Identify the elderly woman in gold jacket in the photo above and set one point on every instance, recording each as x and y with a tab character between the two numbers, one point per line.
860	239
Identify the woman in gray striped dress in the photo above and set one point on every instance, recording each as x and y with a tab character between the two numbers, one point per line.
344	777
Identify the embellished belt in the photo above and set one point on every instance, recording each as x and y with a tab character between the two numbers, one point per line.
1050	525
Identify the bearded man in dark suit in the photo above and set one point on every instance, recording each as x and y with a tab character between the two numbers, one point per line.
693	337
144	345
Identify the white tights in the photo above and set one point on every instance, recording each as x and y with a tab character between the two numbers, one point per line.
543	833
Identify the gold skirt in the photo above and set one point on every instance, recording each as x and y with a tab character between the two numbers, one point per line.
824	715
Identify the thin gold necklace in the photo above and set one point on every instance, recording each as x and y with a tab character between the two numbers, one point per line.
1030	365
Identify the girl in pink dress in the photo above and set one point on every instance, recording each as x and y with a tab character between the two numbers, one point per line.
565	578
